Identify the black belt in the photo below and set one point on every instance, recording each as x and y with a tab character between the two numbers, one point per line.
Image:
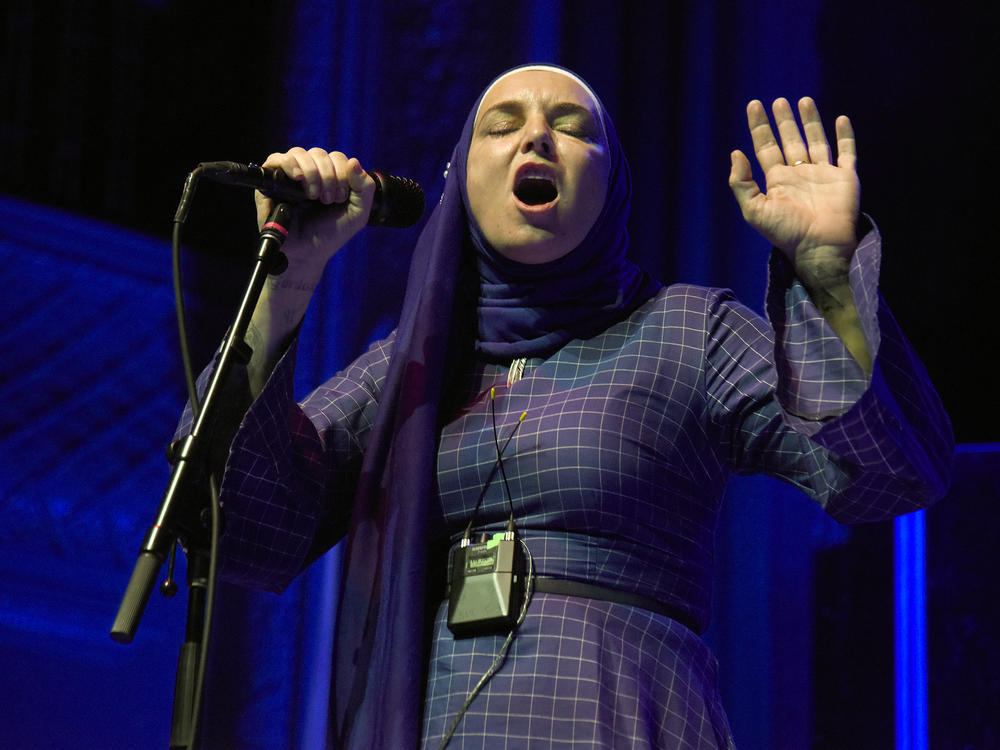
566	587
548	585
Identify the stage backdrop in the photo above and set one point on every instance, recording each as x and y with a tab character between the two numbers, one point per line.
104	115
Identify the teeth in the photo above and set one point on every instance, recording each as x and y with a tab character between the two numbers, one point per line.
535	174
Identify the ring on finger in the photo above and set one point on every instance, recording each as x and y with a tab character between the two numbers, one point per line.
800	161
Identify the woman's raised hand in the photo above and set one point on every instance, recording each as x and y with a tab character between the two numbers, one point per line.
809	208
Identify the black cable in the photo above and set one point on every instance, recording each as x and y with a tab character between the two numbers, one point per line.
496	442
180	215
500	451
187	195
206	629
501	655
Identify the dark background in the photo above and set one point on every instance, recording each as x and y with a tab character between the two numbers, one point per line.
106	107
105	113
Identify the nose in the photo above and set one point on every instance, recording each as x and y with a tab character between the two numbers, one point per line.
538	138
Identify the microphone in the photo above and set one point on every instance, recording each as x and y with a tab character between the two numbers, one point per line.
398	202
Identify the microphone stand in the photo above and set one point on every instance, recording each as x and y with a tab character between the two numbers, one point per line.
182	509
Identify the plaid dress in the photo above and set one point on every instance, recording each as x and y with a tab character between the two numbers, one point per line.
616	475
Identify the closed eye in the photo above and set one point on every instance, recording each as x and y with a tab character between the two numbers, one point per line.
576	131
500	130
574	120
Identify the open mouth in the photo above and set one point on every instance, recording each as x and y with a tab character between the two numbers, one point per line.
534	190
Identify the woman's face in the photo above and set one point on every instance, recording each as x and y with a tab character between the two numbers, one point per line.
537	170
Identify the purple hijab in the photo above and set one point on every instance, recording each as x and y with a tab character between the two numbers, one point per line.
522	310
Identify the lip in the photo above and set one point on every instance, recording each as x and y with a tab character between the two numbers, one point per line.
535	169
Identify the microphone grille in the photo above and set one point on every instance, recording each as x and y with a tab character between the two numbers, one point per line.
399	201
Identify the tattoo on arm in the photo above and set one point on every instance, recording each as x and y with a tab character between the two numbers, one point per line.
254	338
825	301
828	284
278	282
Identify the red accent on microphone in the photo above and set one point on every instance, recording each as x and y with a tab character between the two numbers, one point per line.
275	225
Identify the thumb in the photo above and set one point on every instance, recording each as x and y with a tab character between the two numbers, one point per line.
741	182
264	207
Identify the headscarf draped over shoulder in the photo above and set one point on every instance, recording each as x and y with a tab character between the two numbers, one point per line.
521	310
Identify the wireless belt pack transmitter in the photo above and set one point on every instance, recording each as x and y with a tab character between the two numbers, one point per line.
487	586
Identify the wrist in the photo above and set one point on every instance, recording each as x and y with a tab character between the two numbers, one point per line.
826	277
824	269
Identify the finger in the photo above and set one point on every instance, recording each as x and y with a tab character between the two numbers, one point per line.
792	145
297	164
764	144
330	178
287	162
359	181
847	154
308	167
350	176
264	204
274	160
819	147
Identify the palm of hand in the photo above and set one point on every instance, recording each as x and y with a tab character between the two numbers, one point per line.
807	207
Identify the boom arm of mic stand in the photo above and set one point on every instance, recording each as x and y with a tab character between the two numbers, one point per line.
175	513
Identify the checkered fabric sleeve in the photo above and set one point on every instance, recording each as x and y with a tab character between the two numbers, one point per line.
291	471
888	437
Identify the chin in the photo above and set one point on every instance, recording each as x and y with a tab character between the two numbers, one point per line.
532	244
535	253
